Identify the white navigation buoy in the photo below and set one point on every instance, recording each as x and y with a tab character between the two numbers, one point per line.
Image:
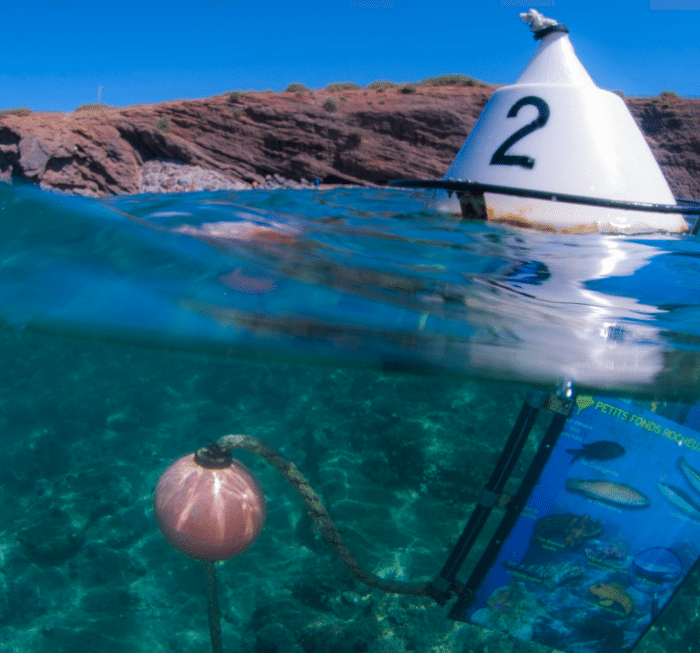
554	130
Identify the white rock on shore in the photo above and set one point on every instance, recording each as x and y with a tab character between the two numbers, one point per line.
160	176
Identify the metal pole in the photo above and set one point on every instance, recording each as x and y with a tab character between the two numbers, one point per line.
443	583
213	607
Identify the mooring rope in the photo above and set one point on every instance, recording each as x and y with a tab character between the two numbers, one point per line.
319	513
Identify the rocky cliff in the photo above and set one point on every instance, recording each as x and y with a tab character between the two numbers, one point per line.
338	135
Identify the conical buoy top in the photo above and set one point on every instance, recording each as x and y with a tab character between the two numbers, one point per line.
554	130
554	61
209	508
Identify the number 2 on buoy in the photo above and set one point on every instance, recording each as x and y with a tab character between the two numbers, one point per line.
499	156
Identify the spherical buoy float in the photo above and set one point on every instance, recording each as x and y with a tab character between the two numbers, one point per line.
554	130
209	506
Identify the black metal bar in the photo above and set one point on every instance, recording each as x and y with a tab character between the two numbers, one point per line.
213	613
442	586
684	200
513	511
477	188
694	230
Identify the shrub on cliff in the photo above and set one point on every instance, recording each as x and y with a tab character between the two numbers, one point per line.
381	86
163	124
337	87
16	111
455	79
354	137
296	88
88	107
331	104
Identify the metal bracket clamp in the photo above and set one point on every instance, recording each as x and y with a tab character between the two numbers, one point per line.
440	590
440	584
489	499
555	402
561	405
536	399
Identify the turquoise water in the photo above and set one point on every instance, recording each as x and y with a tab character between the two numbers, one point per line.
385	349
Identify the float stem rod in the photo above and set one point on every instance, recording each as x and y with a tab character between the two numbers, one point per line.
213	607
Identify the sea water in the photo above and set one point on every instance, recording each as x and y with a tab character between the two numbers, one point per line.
383	348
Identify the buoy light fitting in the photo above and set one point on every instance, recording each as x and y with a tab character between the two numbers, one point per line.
208	505
555	131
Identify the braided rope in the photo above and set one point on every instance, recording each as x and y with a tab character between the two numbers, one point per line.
318	512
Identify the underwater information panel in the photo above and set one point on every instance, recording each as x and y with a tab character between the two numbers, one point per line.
609	532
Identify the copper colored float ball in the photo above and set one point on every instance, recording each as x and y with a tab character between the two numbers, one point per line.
209	514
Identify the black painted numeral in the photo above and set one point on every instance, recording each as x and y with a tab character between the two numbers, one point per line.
499	156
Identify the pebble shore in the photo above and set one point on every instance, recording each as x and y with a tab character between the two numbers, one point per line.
160	176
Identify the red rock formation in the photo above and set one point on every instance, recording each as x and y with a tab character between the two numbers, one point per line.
671	126
357	136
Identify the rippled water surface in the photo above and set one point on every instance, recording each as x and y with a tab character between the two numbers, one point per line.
357	276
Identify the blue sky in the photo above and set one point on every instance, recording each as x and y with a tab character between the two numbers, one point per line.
58	52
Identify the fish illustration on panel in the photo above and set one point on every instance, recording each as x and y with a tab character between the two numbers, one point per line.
681	499
600	450
691	474
572	529
617	493
612	593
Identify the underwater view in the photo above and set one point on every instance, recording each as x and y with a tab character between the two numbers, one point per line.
387	351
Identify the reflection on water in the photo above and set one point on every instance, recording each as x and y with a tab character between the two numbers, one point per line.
355	276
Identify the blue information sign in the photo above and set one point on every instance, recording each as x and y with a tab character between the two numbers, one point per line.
608	533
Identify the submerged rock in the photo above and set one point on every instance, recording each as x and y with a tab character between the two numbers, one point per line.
52	541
